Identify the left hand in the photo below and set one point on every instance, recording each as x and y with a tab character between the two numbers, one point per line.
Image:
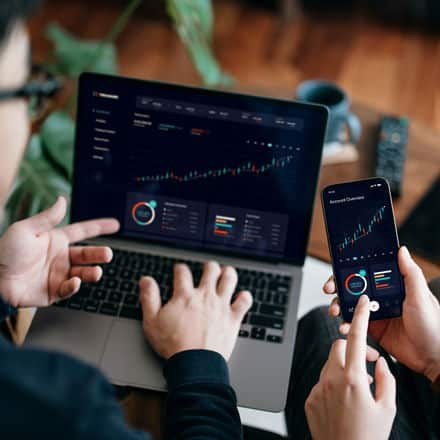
341	406
195	318
37	264
413	338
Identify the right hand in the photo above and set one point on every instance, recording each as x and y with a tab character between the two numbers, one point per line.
195	317
341	405
38	265
414	338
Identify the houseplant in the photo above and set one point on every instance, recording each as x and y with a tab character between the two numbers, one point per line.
46	168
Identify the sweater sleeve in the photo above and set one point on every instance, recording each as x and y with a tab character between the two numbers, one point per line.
201	404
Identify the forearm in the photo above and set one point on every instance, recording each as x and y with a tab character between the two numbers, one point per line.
201	403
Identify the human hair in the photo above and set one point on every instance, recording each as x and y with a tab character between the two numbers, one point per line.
13	10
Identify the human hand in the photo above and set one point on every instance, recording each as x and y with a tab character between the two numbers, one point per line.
37	264
341	405
414	338
195	317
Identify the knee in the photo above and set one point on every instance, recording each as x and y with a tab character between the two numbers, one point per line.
316	315
316	330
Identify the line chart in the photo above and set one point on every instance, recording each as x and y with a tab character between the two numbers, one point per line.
247	167
362	230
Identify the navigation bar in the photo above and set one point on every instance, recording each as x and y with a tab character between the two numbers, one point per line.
219	113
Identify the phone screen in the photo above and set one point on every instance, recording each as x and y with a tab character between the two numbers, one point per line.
363	244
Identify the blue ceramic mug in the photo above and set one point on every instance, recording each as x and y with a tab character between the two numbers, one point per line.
338	103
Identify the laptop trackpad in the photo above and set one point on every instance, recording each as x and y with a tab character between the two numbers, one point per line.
77	333
128	359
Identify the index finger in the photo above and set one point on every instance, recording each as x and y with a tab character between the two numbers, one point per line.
357	337
90	228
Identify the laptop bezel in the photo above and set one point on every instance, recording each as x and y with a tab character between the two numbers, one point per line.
320	110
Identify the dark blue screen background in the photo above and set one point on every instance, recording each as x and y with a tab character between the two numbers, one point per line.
102	187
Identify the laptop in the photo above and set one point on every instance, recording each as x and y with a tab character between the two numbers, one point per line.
192	175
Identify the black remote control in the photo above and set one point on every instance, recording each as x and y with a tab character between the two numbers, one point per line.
391	151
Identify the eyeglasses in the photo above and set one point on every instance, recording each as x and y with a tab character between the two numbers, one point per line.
41	86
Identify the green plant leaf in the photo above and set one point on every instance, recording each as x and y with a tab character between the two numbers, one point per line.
46	169
36	186
57	137
73	55
197	12
194	20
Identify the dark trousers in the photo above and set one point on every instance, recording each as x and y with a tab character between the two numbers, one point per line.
418	408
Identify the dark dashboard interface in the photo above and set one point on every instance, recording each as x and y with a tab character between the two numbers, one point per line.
196	168
364	245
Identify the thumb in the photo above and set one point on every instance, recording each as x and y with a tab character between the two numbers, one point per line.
415	282
385	384
242	303
48	219
149	297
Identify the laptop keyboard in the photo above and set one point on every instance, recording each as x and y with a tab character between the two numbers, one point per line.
117	293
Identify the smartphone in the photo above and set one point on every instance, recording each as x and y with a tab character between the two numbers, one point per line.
363	243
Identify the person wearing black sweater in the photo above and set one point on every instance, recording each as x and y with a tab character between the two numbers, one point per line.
50	395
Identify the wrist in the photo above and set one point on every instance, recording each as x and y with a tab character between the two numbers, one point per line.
196	366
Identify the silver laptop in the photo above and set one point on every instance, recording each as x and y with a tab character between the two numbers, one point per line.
192	175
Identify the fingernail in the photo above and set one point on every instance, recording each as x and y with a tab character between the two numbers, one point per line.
62	197
406	252
344	329
363	300
250	300
143	279
109	255
382	361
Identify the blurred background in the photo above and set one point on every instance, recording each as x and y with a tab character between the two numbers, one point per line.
385	53
384	56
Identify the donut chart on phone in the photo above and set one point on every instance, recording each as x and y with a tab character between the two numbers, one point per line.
356	283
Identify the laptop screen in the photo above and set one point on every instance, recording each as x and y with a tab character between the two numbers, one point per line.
194	168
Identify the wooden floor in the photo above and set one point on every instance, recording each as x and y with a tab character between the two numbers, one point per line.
392	69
